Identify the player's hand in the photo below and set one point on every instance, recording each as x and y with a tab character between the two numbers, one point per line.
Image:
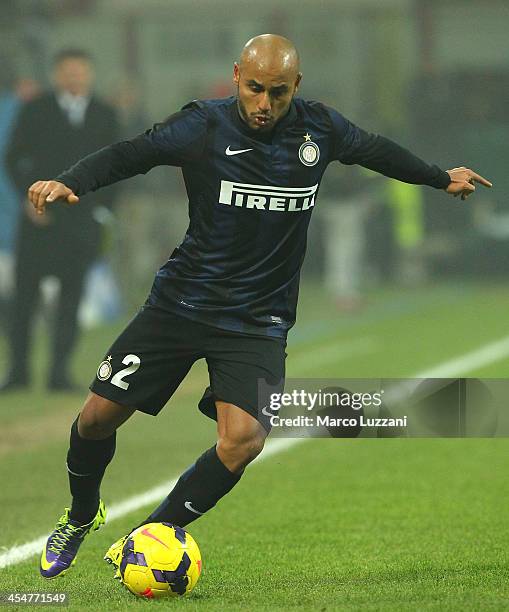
462	182
40	220
45	192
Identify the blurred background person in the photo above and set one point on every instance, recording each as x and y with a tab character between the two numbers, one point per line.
347	200
143	220
51	132
13	92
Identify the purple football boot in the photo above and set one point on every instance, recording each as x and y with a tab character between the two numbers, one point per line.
62	546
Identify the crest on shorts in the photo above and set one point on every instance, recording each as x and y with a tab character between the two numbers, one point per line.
309	153
104	370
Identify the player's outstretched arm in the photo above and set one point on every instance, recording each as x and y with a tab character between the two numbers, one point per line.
45	192
353	145
462	182
102	168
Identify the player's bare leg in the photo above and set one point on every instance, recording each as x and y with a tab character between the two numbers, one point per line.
240	437
100	417
92	446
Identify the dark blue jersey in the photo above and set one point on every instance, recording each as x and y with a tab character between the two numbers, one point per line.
251	197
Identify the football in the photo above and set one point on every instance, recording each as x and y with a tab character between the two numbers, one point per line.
160	560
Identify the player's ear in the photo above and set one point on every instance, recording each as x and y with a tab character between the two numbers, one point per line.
236	73
297	81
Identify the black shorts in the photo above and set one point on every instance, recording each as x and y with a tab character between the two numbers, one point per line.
152	356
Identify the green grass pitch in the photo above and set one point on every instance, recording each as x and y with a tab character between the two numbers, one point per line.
391	524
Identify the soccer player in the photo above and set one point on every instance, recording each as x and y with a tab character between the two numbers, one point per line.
252	165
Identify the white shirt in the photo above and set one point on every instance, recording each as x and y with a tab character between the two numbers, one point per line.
74	107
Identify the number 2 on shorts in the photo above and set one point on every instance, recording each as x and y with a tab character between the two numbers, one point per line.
133	361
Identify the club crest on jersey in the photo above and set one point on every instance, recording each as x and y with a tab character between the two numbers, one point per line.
267	197
309	153
104	370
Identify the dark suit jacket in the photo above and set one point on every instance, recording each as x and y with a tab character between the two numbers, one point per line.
43	144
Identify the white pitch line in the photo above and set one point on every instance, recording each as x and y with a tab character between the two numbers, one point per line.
487	354
490	353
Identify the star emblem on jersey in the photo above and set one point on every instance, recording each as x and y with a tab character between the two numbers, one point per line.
309	153
104	370
236	152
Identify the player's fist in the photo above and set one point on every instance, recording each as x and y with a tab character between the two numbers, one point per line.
462	182
44	192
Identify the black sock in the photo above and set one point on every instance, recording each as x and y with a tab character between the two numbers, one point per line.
86	464
200	487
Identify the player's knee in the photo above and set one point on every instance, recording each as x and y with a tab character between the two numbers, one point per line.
239	450
247	450
95	421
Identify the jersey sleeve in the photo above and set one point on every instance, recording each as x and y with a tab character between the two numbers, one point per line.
177	141
353	145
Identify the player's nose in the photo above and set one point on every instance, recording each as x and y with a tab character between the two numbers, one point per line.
264	103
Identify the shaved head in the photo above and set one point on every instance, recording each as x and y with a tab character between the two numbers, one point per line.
267	76
271	52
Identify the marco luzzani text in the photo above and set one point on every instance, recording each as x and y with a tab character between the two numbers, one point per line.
355	403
